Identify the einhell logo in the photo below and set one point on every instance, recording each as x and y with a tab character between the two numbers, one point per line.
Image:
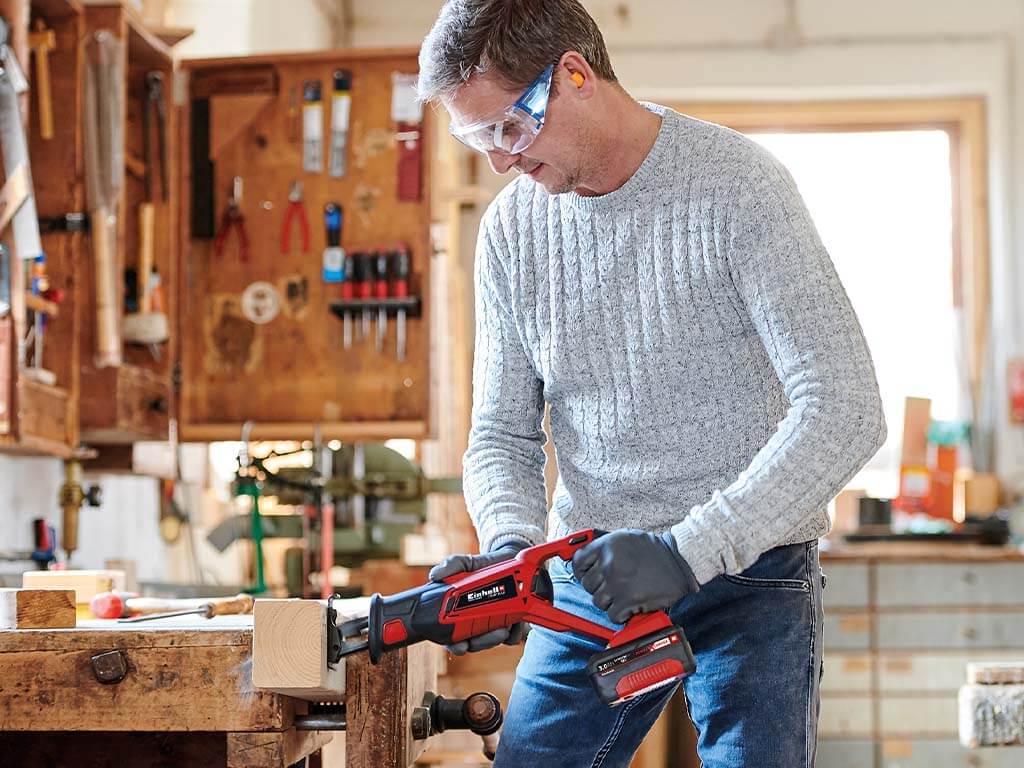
493	592
487	593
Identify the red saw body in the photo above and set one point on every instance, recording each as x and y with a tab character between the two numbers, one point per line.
647	653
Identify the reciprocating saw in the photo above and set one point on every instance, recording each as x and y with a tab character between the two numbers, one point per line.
647	653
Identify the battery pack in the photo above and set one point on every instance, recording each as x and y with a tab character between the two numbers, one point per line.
623	672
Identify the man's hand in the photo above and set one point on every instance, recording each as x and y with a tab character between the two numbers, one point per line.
631	572
459	563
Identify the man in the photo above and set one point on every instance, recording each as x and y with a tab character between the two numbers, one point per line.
658	282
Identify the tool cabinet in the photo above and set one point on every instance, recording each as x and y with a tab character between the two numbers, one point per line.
901	625
233	117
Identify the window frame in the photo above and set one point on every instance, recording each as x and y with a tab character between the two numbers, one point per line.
965	122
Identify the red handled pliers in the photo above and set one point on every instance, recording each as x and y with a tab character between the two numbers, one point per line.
296	210
233	220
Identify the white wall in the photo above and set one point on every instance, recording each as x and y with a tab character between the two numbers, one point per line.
124	526
696	49
238	27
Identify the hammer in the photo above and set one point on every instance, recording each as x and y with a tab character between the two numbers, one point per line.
42	41
122	605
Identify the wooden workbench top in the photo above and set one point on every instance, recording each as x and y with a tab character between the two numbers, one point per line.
919	551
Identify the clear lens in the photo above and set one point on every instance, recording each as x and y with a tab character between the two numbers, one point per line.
520	126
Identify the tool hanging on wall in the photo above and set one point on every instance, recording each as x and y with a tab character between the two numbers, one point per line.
41	41
341	107
348	292
39	286
155	105
363	290
104	178
400	290
25	223
380	290
334	255
292	126
407	114
295	211
312	127
233	220
149	325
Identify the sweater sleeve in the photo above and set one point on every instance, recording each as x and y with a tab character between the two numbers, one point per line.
503	468
793	299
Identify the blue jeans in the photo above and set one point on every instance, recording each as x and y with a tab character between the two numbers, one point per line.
754	700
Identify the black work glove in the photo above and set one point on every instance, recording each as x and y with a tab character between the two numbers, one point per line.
459	563
631	572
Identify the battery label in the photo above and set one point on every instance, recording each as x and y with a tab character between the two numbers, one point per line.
609	666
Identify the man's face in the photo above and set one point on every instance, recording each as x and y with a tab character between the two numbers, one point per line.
552	159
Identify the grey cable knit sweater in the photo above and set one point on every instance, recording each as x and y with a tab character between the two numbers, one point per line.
705	370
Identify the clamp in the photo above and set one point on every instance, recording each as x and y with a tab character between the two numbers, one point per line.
296	210
233	220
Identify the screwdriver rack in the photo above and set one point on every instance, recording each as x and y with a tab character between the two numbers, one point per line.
412	305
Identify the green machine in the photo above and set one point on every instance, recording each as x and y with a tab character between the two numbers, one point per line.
367	496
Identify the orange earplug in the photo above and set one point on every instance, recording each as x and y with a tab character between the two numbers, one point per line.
577	78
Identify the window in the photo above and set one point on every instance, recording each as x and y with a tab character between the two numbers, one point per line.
887	192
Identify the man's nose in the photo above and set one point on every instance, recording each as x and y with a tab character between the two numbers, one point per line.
501	161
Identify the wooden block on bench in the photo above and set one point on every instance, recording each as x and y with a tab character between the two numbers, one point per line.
37	609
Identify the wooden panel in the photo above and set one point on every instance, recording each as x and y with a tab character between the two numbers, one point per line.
37	608
844	753
846	672
847	631
923	631
967	584
846	586
43	411
931	672
845	716
293	370
273	750
946	753
379	702
124	404
175	688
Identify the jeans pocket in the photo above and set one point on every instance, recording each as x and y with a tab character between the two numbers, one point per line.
779	568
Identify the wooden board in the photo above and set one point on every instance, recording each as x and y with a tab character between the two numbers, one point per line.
379	702
37	608
289	642
292	372
86	584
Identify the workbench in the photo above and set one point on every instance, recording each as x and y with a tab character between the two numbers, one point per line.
178	692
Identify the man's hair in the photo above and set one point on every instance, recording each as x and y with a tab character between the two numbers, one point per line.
512	39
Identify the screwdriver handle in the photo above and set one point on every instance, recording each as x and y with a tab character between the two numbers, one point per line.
363	289
380	269
400	289
348	286
332	220
239	604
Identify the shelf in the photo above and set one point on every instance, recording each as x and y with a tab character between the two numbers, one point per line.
346	431
392	306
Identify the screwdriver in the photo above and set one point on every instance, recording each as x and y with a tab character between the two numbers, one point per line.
348	292
380	270
364	291
400	290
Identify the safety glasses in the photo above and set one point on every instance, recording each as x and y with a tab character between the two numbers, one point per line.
517	128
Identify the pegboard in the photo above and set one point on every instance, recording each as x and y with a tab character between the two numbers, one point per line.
292	372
